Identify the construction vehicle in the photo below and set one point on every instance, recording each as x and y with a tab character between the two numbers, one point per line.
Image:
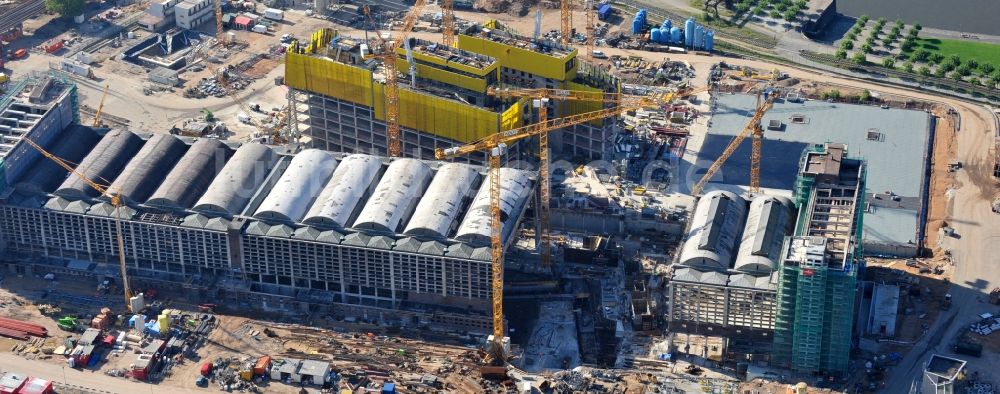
117	201
386	52
100	107
496	145
67	323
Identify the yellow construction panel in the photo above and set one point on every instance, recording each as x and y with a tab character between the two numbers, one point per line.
560	69
437	74
513	117
327	77
441	117
575	107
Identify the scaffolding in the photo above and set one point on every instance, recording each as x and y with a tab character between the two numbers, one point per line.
811	333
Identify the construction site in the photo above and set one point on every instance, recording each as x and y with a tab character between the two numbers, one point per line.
414	198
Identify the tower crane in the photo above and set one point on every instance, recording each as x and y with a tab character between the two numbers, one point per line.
495	145
622	102
565	20
589	29
117	201
387	54
752	127
448	22
220	35
100	107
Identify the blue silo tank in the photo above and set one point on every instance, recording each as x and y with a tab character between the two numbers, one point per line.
699	37
666	25
675	35
709	41
637	26
654	35
641	15
689	32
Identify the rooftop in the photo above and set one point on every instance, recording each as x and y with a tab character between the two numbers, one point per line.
893	143
498	32
451	54
24	104
312	194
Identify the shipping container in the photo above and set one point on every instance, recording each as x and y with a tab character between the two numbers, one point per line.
274	14
262	366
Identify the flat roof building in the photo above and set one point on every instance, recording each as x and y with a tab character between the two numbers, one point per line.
895	143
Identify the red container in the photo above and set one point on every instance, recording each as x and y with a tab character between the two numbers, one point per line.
53	46
206	369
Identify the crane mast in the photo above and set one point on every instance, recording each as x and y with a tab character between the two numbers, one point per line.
565	21
387	55
448	22
100	107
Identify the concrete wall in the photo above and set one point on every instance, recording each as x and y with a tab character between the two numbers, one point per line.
586	222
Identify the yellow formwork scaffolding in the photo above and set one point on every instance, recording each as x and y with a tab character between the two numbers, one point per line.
419	111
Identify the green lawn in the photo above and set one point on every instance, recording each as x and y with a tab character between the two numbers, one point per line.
981	51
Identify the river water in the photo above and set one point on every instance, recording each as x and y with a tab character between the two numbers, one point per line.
969	16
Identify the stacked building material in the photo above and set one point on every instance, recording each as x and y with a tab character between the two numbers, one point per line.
12	326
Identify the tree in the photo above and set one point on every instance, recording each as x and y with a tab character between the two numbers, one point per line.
887	42
912	32
955	60
917	26
859	58
742	8
848	45
986	69
888	62
781	7
870	40
907	45
936	58
920	55
864	18
758	10
775	14
899	23
964	69
975	81
956	76
866	48
835	94
947	67
908	67
851	36
66	8
925	71
895	31
972	63
790	14
994	80
841	54
881	20
865	96
940	72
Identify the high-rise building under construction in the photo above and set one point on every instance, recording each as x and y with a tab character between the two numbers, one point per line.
817	278
443	98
